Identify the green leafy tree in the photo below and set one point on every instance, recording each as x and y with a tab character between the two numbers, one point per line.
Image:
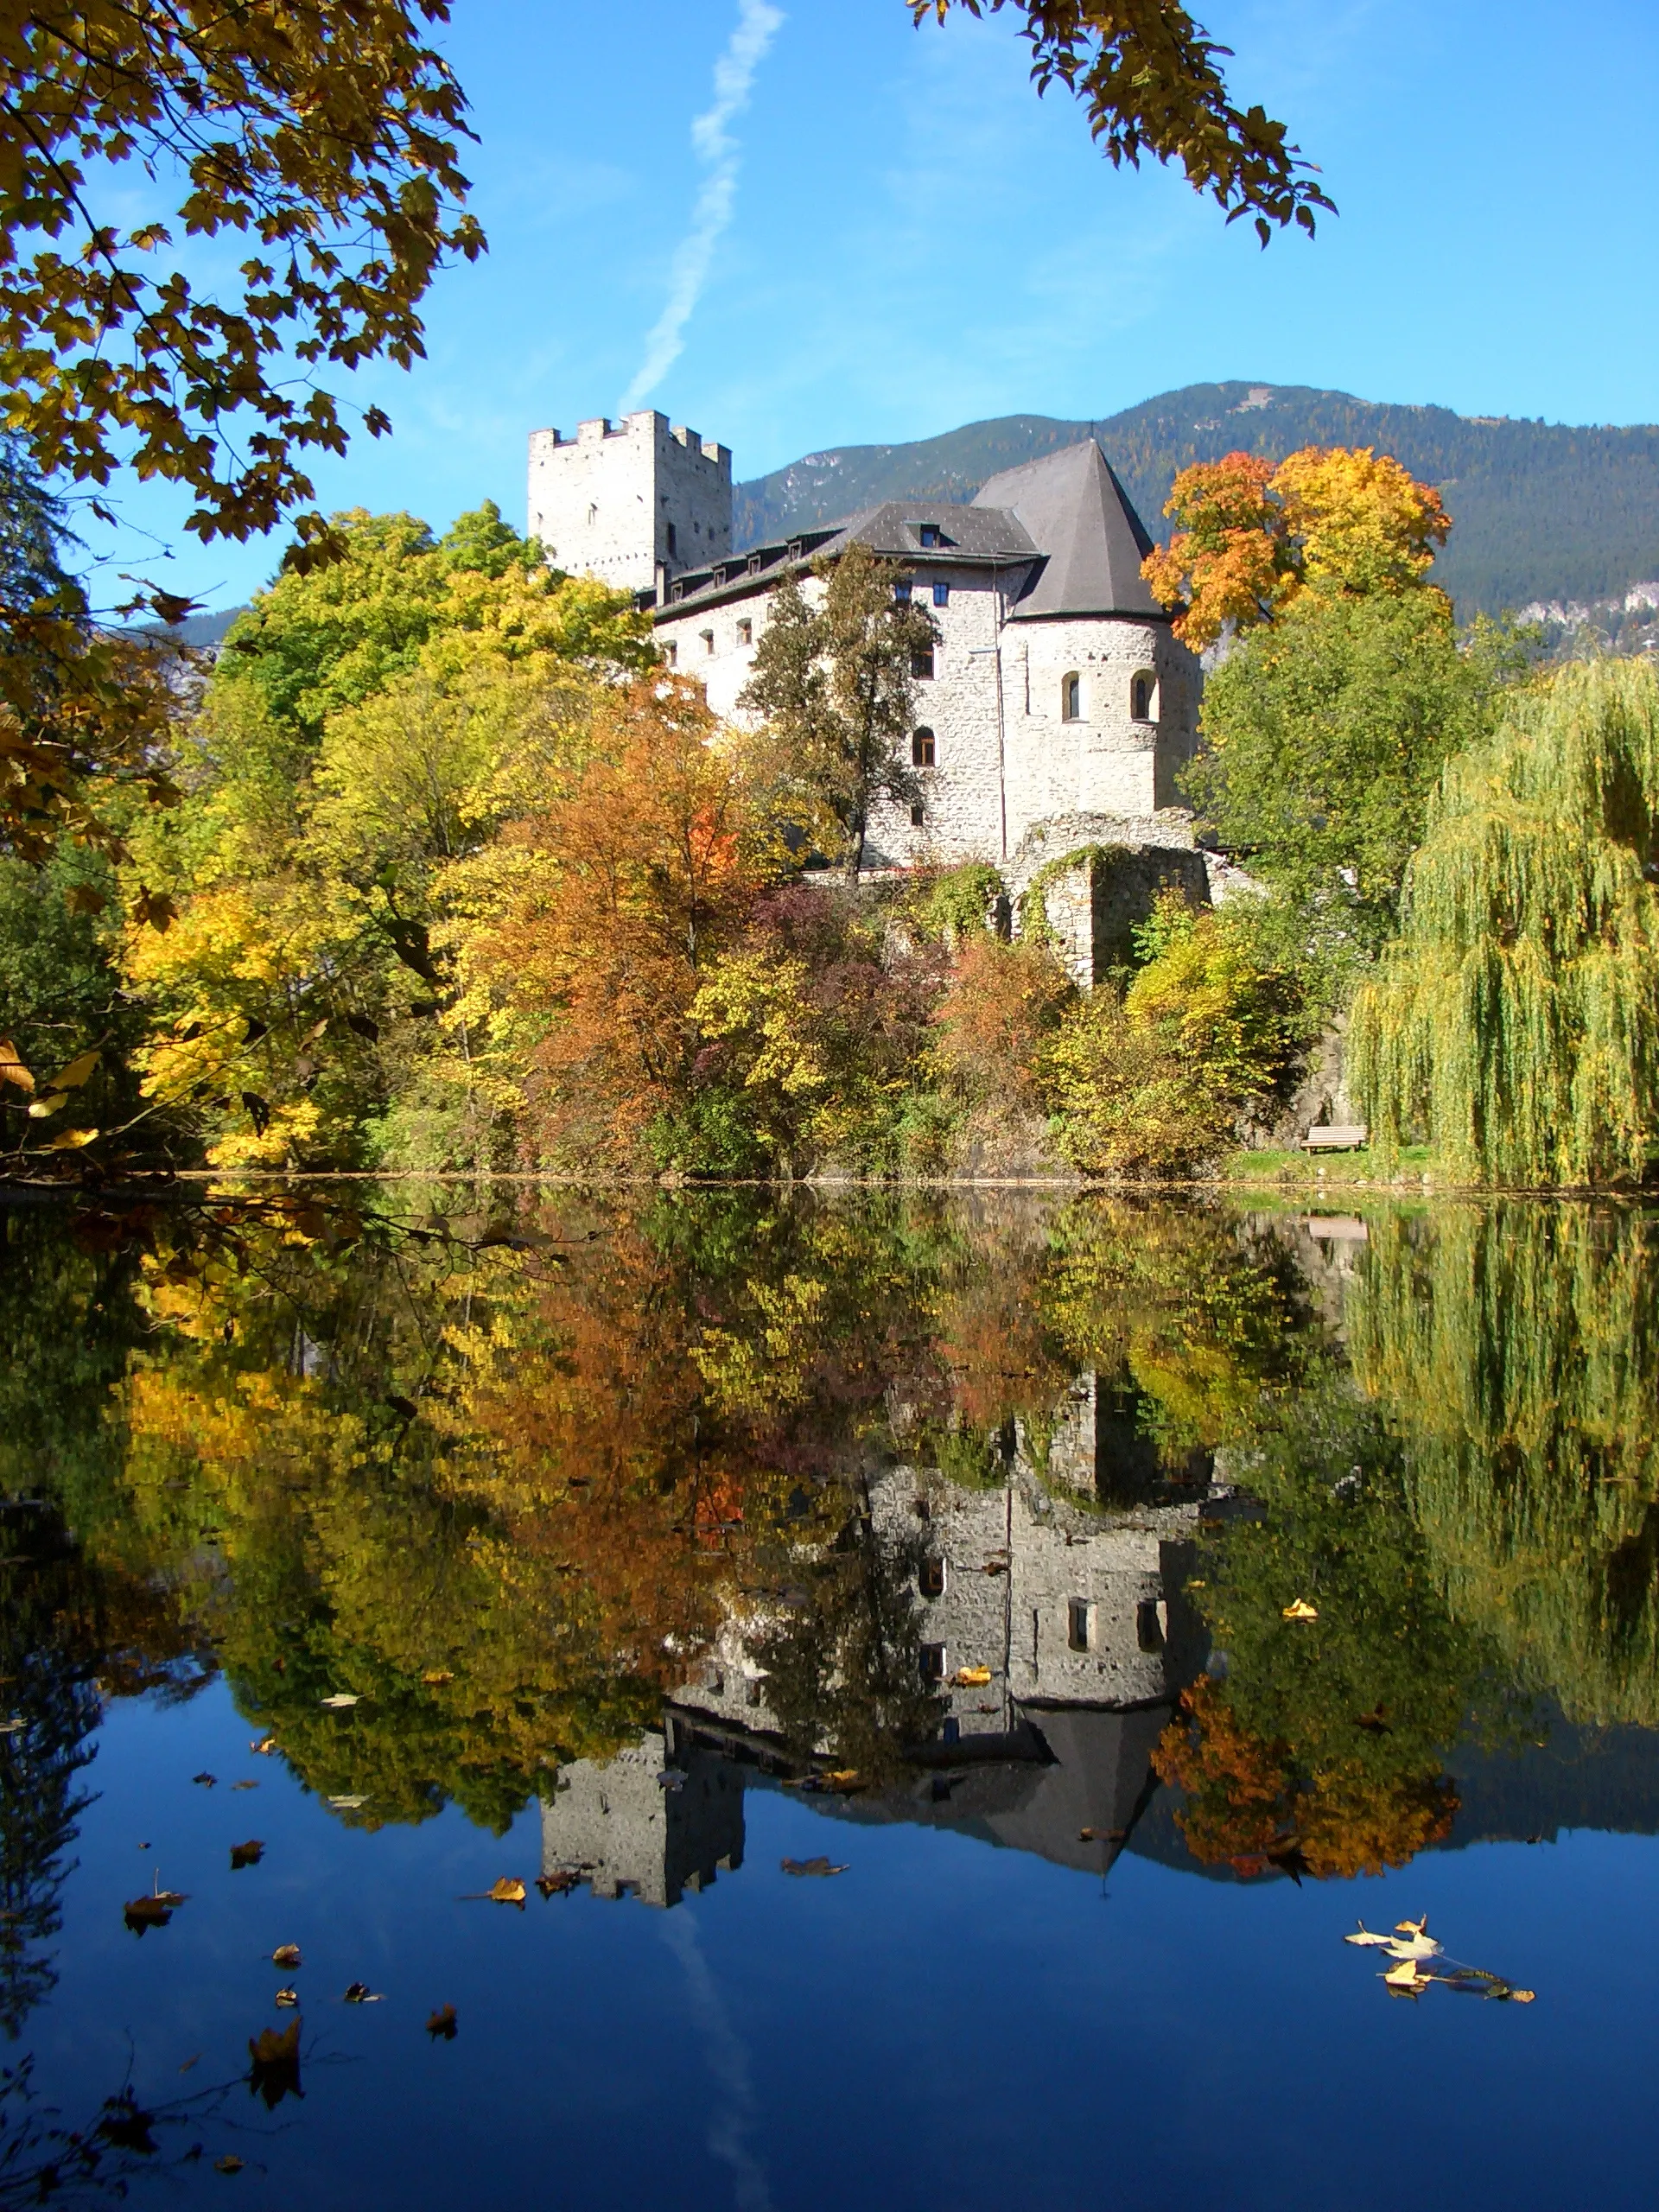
1515	1023
1323	736
833	680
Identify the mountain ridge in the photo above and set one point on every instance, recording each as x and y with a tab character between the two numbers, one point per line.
1541	511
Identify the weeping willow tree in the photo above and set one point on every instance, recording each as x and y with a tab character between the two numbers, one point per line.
1515	1021
1514	1351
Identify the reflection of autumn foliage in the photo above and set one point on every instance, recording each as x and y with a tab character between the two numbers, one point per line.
1249	1805
576	1427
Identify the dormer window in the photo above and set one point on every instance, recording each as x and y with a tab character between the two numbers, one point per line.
927	535
755	564
720	577
676	591
1071	698
794	549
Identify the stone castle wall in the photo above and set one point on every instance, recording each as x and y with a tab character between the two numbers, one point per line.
603	502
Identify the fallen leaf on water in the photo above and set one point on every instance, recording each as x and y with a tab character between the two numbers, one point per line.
230	2163
344	1804
207	1781
360	1993
244	1785
153	1912
508	1890
14	1726
844	1777
287	1998
971	1678
1301	1611
264	1744
435	1676
341	1700
810	1867
246	1854
1367	1936
442	2024
275	2072
1407	1978
1415	1946
556	1885
285	1956
1412	1927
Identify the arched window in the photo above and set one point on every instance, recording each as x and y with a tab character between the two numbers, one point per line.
1143	696
922	754
1071	698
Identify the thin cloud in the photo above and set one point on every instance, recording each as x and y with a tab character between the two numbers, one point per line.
732	2122
715	148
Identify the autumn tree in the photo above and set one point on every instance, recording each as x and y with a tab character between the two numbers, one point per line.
370	725
1147	73
1250	538
833	680
585	932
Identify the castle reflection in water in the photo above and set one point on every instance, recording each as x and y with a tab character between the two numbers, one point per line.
1053	1635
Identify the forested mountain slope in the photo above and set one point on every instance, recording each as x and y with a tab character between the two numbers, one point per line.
1542	511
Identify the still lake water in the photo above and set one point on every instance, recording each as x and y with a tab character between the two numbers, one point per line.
935	1679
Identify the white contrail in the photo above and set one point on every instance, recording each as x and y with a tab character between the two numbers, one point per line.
716	148
732	2119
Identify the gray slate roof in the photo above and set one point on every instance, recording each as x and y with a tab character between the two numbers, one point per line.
981	532
1074	507
1067	515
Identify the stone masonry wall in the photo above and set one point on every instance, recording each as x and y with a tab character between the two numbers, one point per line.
603	501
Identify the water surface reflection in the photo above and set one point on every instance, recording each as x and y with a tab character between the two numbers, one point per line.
1270	1547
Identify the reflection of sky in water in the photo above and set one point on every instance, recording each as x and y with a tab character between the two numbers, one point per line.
887	1544
945	2022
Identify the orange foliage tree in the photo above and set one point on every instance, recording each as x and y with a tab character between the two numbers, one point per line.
1249	537
1251	1805
588	926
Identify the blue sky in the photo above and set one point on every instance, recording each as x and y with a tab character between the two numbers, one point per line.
913	240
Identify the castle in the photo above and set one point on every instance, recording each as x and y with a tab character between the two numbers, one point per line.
1056	709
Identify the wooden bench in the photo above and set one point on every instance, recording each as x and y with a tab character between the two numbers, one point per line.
1336	1136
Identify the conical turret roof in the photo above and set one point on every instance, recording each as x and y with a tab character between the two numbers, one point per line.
1074	508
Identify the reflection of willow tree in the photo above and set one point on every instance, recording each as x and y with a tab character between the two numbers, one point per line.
1516	1350
1319	1747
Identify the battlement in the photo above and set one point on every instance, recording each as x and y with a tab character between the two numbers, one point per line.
630	502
